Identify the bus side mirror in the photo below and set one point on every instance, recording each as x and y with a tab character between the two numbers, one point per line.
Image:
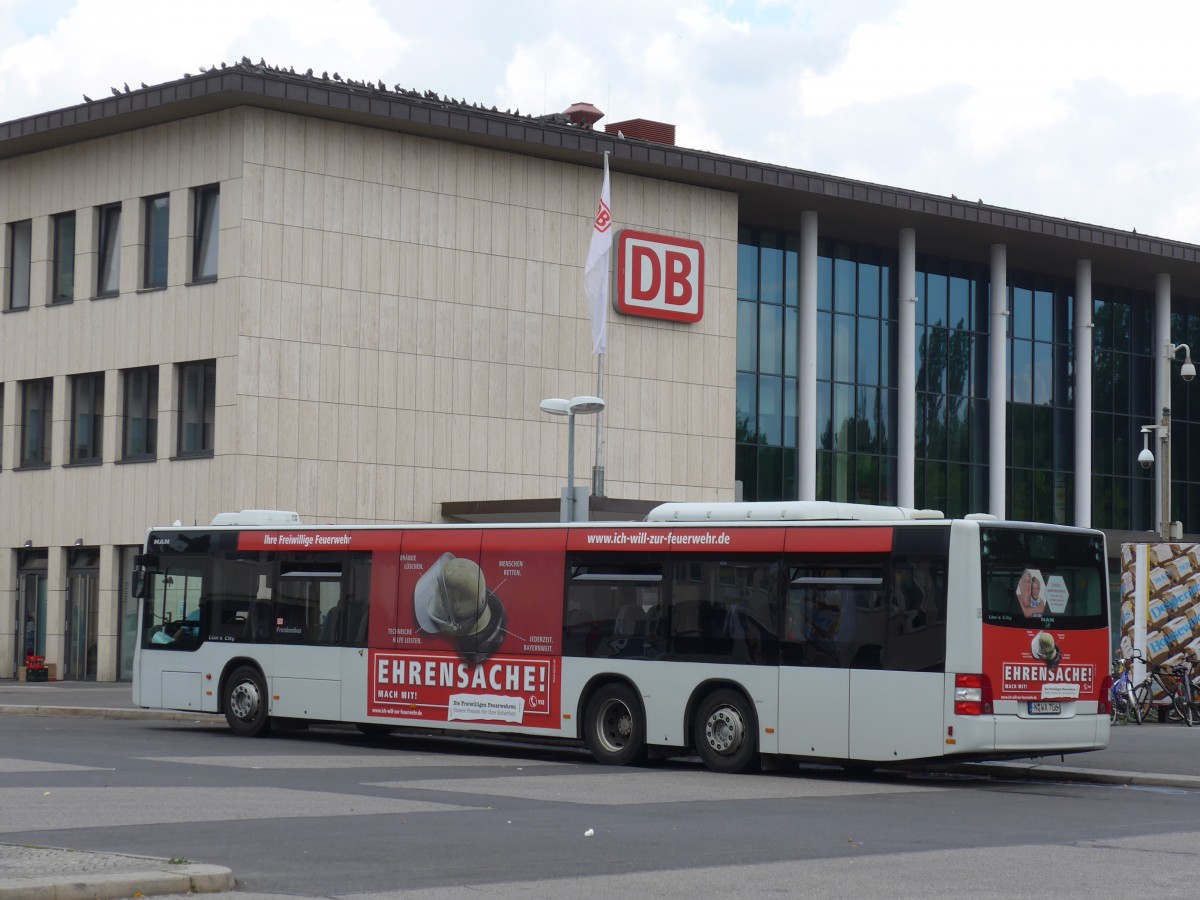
140	589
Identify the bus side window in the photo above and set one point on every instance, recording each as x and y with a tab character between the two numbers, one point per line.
916	630
612	609
835	616
725	611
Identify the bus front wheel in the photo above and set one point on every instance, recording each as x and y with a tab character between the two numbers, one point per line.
245	703
726	732
614	728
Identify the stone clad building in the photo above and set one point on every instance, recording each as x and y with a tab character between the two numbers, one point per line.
252	289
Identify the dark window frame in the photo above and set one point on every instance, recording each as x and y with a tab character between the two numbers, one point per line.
156	238
62	287
108	250
89	386
147	395
204	426
44	387
206	225
18	267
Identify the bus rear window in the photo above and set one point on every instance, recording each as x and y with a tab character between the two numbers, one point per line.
1043	579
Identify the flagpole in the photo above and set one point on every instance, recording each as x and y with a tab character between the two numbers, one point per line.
597	279
598	468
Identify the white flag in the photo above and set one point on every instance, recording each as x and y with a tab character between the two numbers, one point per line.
595	273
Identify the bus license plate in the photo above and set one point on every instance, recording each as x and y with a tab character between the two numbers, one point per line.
1044	708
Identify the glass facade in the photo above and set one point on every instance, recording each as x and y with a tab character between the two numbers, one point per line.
768	331
856	373
857	340
951	466
1040	416
1185	420
1122	402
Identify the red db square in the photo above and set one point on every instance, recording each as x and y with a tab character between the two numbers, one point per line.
660	277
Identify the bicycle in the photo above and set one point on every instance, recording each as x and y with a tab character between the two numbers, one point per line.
1121	707
1172	682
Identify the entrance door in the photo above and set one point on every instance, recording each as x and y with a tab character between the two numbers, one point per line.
32	616
82	620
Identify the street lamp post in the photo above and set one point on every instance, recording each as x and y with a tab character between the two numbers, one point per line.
1166	528
571	408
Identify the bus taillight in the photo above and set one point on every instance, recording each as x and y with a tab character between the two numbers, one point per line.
1104	702
972	695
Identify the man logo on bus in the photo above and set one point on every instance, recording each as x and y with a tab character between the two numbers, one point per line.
452	598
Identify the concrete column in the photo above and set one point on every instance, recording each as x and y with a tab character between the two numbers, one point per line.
110	424
85	253
906	361
998	382
10	443
108	614
1162	380
1083	393
60	421
806	393
56	610
8	614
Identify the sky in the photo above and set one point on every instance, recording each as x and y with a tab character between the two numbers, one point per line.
1086	110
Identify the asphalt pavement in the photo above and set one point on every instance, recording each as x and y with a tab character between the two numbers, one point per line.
1164	755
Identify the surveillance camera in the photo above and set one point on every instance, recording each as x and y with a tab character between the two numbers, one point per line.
1146	459
1188	371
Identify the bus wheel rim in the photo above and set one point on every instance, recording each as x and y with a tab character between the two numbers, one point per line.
245	701
614	726
725	731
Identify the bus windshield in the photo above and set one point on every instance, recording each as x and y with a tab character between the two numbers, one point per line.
1042	578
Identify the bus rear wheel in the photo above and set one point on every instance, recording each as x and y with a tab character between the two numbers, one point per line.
614	728
726	732
245	703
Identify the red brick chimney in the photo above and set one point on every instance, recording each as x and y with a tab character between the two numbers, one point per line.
643	130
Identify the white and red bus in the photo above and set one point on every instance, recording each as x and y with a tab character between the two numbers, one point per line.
820	631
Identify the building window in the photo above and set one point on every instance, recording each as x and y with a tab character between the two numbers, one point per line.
205	225
139	425
1122	401
857	396
856	369
197	407
158	209
108	270
1040	430
37	398
1185	420
951	466
87	417
768	332
20	240
63	288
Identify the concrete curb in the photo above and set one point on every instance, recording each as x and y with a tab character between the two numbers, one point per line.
84	875
1043	772
108	712
193	879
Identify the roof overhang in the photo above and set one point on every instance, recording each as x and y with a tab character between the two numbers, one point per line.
768	195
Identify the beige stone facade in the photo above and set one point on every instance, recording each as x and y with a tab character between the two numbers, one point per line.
389	310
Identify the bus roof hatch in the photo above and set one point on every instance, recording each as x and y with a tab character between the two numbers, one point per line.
785	511
257	517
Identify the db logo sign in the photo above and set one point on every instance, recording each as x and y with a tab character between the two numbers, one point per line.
660	277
